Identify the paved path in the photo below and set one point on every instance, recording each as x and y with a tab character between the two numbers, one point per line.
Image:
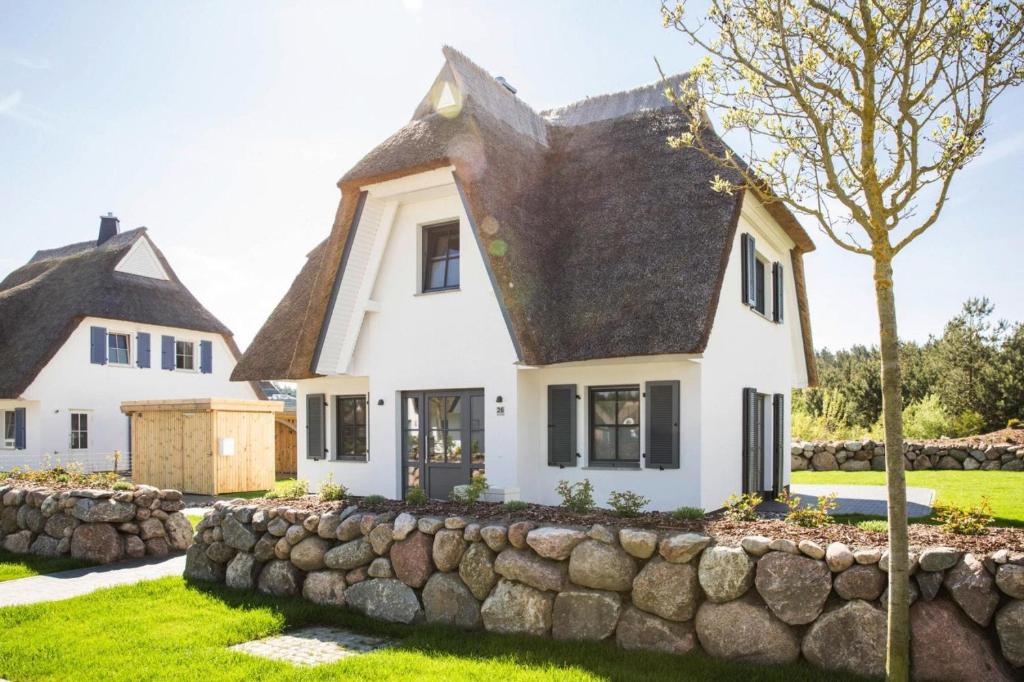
858	499
74	583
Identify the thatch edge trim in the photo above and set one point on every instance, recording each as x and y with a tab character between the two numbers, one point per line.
797	259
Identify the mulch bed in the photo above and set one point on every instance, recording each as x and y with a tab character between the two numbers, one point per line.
55	486
715	524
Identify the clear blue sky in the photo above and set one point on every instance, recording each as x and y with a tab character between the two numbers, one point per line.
223	127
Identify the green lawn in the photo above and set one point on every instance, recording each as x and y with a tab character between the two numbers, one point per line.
169	630
1004	489
14	566
253	494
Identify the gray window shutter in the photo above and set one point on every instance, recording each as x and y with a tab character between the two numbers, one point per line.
98	345
206	357
748	255
751	440
662	424
167	352
142	350
19	428
778	445
777	292
316	435
562	425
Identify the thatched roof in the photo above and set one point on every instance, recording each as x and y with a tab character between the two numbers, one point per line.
43	301
602	241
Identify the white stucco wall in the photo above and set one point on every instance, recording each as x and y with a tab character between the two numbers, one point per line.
745	350
70	382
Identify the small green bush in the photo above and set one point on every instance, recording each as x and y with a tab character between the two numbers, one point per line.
965	520
576	497
471	493
416	496
926	419
742	508
874	526
514	506
331	491
627	503
688	513
290	489
374	499
808	517
123	485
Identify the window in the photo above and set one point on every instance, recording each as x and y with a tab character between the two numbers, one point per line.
615	426
759	301
118	349
184	355
351	430
79	431
441	257
8	424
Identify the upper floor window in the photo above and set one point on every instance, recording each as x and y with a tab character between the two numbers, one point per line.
441	257
118	349
184	355
758	303
79	431
615	426
8	424
756	286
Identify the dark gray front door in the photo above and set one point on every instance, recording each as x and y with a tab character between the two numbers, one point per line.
442	440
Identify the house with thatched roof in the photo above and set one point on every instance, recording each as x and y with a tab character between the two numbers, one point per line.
543	296
87	326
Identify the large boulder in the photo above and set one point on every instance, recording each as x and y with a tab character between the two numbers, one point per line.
671	591
744	630
1010	627
280	578
97	543
946	645
447	549
179	531
794	587
103	511
580	614
971	586
404	524
725	573
309	553
526	567
515	608
601	567
44	545
151	528
385	599
496	537
412	560
198	566
325	587
938	558
264	547
641	631
350	555
241	571
850	638
929	583
860	582
838	557
237	535
824	461
448	601
1010	579
19	542
477	570
638	543
680	548
554	543
60	526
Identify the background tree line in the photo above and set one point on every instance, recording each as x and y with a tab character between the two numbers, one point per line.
967	381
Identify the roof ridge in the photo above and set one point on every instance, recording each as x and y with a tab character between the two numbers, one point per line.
119	240
647	97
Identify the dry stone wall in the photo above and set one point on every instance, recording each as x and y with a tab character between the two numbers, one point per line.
96	526
766	601
869	455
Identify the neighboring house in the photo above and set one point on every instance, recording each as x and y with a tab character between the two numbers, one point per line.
543	297
87	326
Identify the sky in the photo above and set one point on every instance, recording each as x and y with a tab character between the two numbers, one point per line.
224	126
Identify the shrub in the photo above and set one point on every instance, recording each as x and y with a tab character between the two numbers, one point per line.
289	489
965	520
1014	424
627	503
416	496
874	526
576	497
685	513
331	491
515	506
374	499
968	423
808	517
471	493
122	485
926	419
742	508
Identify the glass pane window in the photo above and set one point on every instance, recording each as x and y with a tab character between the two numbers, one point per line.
759	302
412	446
184	355
117	349
8	416
441	257
351	426
412	477
615	425
79	431
477	447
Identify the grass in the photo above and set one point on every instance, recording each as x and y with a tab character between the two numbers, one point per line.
279	486
170	630
960	488
14	566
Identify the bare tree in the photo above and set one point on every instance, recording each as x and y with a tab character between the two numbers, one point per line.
857	114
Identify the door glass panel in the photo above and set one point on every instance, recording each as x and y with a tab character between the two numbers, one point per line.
477	445
412	413
436	406
412	477
604	407
476	412
435	445
412	446
629	443
454	444
454	413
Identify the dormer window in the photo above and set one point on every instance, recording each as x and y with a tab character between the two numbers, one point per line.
184	355
118	349
441	257
755	286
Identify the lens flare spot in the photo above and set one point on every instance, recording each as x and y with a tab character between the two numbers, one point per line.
489	226
499	247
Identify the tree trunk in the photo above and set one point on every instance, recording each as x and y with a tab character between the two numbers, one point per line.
897	664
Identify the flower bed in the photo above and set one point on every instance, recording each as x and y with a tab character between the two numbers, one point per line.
644	588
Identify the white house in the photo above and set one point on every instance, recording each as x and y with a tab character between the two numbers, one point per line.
543	297
89	325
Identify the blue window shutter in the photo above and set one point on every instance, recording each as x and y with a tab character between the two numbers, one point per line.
205	357
142	350
98	345
19	428
167	352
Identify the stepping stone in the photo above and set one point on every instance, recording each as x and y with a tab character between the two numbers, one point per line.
313	645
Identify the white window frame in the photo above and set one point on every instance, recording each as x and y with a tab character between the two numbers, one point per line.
128	338
8	418
195	360
71	433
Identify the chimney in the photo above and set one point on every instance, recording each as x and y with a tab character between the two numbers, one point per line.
506	84
109	226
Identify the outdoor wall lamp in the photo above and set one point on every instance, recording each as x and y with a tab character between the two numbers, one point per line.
498	399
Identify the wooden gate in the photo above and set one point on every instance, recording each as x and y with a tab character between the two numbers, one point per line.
285	445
